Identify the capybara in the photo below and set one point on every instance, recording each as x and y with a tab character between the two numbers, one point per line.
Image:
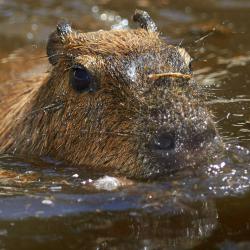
123	101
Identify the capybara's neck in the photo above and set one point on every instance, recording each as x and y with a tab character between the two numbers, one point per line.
19	89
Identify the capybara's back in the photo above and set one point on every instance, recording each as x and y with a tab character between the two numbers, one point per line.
122	100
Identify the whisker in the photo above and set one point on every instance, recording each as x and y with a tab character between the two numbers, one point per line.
53	106
118	133
204	37
56	54
70	67
223	118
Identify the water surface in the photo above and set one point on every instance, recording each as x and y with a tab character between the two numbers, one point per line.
48	204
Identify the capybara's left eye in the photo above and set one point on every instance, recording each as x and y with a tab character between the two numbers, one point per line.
81	80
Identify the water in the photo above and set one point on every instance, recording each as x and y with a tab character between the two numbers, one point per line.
48	204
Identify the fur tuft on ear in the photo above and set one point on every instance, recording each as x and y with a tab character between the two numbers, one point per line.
64	29
144	20
56	41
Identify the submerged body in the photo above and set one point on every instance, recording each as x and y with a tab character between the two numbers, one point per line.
120	100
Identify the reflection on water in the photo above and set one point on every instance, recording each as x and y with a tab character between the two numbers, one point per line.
47	204
49	195
104	230
62	203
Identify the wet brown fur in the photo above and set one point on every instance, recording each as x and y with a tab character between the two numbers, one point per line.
42	115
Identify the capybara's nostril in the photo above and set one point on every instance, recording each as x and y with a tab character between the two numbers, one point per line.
163	142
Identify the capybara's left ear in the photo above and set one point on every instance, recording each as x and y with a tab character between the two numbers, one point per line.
56	42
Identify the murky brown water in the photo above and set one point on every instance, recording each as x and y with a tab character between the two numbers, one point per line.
49	205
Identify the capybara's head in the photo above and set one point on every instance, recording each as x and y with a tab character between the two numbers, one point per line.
123	100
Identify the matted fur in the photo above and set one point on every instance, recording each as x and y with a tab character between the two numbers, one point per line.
112	128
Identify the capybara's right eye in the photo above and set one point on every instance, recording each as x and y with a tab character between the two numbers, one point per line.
81	80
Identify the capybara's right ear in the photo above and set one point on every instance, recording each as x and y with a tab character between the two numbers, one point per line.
56	42
144	20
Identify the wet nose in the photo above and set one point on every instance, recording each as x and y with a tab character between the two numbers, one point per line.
163	142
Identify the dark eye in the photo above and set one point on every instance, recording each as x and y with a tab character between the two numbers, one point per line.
81	80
